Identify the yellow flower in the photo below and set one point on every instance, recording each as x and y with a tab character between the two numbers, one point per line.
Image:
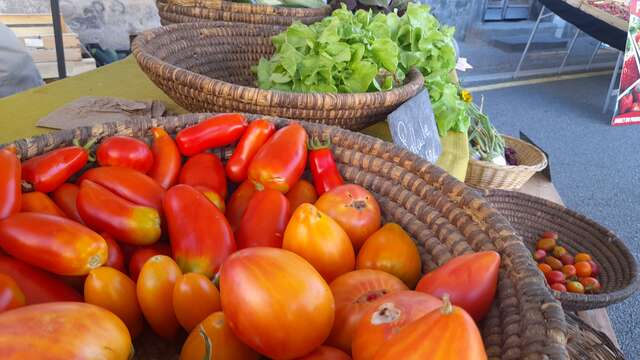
466	96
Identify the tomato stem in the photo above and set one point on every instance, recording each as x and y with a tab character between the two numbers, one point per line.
447	308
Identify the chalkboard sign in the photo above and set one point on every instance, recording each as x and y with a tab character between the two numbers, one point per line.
413	127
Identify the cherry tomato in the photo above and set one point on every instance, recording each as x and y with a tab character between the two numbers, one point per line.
326	353
302	192
11	296
569	271
155	291
558	251
40	203
115	258
354	208
276	302
354	292
116	292
320	240
553	262
545	268
549	235
390	249
583	269
591	285
264	220
476	279
575	287
65	197
559	287
567	259
141	255
194	298
546	244
582	257
555	276
205	170
386	317
237	204
595	269
213	339
125	151
539	255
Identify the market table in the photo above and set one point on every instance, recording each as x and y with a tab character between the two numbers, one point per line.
19	114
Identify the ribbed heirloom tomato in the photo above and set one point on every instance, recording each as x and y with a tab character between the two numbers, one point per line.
354	292
354	208
386	316
276	302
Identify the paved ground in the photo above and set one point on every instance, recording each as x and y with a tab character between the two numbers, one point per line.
595	167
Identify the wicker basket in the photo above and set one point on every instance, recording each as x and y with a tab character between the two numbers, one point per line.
486	175
207	67
180	11
530	216
585	342
445	217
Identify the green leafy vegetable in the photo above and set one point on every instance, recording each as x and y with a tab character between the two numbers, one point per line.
362	51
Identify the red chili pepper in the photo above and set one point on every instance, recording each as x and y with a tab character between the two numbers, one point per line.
125	151
48	171
216	131
256	135
40	203
205	170
166	159
323	167
65	197
10	175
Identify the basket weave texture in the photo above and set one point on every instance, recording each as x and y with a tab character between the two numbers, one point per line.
487	175
530	216
180	11
445	218
207	67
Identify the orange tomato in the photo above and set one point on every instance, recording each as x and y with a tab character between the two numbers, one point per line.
579	256
112	290
575	287
155	294
63	331
302	192
213	339
583	269
390	249
590	284
320	240
11	296
194	298
546	244
354	292
448	333
386	317
326	353
354	208
40	203
276	302
142	254
545	268
569	271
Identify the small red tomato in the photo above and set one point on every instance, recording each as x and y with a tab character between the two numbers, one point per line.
549	235
569	271
539	255
595	269
567	259
125	151
591	284
555	276
545	268
583	269
582	257
11	296
575	287
559	287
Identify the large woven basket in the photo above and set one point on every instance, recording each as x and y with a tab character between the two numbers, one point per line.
585	342
445	217
181	11
487	175
207	67
530	216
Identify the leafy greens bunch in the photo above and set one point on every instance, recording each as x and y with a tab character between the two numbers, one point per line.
362	52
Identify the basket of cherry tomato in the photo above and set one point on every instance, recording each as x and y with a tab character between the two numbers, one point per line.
216	237
586	265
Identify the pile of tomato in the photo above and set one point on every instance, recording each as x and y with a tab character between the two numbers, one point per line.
563	271
279	266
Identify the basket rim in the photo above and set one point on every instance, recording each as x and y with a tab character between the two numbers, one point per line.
608	298
535	168
413	78
277	10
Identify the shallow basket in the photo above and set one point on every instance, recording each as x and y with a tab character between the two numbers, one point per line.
207	67
530	216
445	218
487	175
180	11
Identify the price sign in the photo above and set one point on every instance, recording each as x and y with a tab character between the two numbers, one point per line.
413	126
